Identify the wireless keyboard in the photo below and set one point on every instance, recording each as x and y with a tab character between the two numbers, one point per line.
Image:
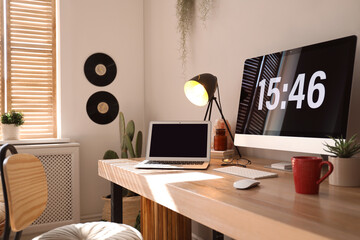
246	172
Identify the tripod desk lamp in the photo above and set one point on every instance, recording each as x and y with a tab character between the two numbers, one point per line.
200	90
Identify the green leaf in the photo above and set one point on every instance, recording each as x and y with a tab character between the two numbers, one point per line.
343	148
124	153
12	117
110	154
122	129
130	129
138	145
129	146
137	222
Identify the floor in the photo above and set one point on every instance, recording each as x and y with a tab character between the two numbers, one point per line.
29	236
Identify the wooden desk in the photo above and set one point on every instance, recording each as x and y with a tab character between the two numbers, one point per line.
271	211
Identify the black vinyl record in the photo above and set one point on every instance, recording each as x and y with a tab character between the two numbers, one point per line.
100	69
102	107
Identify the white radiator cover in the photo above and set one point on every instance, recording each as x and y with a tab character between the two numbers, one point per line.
61	164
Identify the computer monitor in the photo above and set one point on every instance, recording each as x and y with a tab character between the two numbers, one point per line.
296	99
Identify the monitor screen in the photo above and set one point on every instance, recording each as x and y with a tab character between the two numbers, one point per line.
299	93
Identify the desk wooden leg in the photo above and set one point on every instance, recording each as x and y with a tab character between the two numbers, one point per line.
217	235
116	203
158	222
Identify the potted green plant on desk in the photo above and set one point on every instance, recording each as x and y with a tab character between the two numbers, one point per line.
11	122
346	166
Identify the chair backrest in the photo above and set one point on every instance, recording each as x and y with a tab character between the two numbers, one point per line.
26	189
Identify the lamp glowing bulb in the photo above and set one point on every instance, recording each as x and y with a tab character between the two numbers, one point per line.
196	93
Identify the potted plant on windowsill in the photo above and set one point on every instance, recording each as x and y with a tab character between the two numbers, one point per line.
346	166
11	122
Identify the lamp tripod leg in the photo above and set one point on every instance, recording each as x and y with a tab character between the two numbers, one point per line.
207	110
211	103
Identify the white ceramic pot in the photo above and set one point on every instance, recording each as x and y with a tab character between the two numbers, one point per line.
346	172
10	132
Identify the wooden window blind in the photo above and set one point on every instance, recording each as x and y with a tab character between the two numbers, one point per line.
31	65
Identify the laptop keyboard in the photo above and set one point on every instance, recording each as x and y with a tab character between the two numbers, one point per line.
176	162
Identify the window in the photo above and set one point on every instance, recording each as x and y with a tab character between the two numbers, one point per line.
28	65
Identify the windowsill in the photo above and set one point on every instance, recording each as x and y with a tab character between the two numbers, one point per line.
35	141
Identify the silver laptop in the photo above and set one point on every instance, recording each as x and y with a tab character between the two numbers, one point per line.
178	145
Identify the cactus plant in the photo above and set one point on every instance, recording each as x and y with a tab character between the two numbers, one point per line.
127	133
126	137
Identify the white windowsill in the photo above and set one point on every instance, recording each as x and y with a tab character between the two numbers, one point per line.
36	141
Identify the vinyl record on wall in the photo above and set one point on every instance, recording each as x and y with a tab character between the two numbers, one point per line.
100	69
102	107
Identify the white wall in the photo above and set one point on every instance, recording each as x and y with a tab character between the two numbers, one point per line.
234	31
114	27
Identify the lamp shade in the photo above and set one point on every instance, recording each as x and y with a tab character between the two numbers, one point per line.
201	88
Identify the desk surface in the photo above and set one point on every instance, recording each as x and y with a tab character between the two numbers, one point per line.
271	211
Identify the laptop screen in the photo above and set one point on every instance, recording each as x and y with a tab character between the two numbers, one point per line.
179	140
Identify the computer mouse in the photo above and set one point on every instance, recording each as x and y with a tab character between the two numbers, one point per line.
246	183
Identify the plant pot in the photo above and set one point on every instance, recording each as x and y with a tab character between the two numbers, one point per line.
346	172
131	208
10	132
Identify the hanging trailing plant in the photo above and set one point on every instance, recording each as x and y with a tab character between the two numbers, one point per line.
205	6
185	10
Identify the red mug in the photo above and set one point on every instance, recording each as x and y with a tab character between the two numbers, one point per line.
306	171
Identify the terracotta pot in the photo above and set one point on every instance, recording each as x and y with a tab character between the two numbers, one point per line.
346	172
10	132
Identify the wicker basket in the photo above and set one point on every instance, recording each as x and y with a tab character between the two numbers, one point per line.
2	211
131	208
2	225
